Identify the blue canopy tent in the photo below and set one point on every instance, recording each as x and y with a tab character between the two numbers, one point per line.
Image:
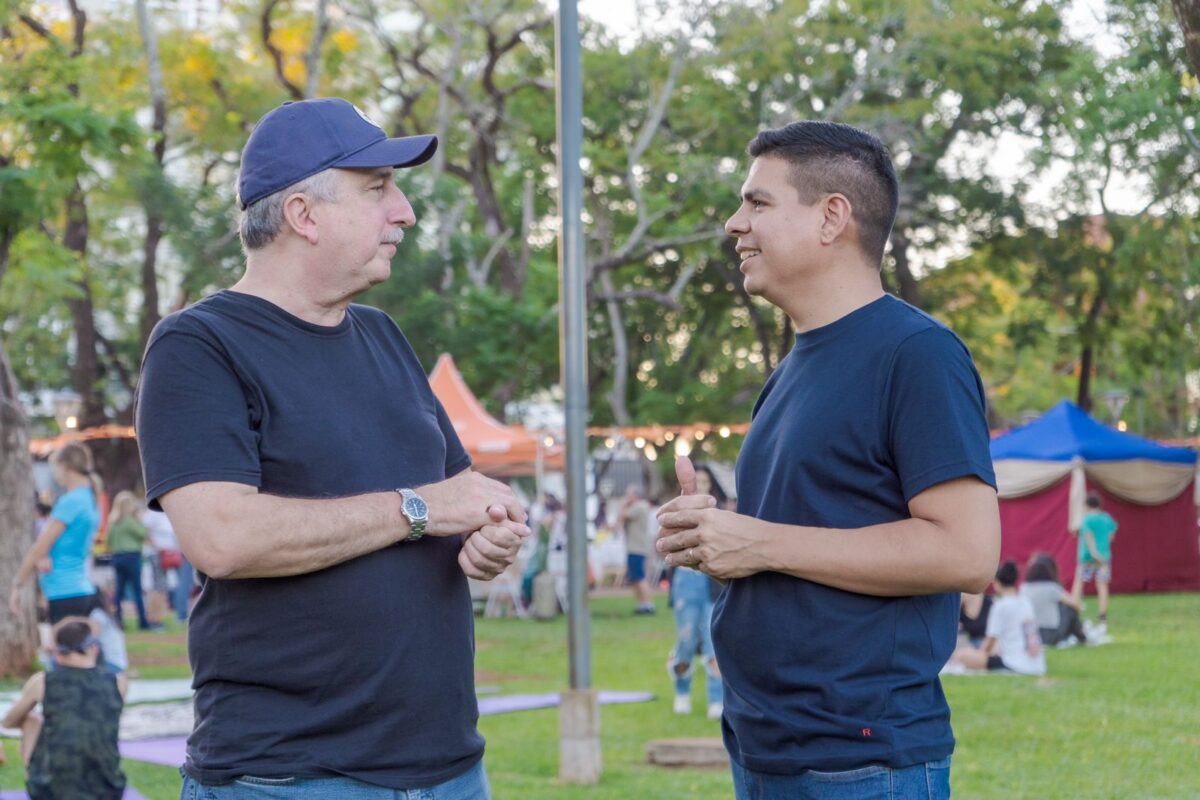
1045	470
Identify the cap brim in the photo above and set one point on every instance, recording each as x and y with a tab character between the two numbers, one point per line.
407	151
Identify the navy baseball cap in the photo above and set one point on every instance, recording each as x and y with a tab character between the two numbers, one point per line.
298	140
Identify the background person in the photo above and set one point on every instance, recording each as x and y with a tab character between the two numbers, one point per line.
1012	641
973	611
633	518
162	550
65	541
70	749
317	484
1056	610
1095	559
126	537
692	596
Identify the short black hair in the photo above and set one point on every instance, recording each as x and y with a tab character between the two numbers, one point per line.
828	157
1007	574
1093	500
72	634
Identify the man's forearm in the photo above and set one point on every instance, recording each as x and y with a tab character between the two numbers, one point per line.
894	559
252	535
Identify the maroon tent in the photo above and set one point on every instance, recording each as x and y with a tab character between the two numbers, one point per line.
1045	471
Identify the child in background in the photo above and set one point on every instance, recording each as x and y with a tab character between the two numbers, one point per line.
1095	560
70	751
1012	641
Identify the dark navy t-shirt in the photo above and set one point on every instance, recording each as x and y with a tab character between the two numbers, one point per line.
364	669
860	417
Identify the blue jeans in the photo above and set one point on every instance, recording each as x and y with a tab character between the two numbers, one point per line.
929	781
128	569
693	632
182	596
471	785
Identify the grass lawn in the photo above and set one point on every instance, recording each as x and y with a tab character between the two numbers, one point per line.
1119	721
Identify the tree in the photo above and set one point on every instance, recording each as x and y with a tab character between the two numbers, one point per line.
1188	14
1132	113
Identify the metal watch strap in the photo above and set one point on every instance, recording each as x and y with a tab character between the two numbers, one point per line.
416	526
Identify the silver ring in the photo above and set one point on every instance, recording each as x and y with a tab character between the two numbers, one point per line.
692	555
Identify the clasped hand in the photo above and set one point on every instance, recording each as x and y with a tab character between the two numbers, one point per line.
487	511
695	533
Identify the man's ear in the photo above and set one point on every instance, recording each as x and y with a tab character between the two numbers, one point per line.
298	215
838	217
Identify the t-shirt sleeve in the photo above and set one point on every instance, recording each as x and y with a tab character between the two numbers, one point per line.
457	458
193	418
938	413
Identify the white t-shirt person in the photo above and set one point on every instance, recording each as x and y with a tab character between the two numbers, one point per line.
1014	627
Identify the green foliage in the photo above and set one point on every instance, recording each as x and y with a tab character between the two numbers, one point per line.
668	111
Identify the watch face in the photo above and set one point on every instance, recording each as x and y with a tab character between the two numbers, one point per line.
416	508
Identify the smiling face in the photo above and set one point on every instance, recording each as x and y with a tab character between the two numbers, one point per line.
778	237
361	229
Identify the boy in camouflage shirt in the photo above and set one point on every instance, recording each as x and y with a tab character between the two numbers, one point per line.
71	749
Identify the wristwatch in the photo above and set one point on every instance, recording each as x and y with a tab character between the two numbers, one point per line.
415	511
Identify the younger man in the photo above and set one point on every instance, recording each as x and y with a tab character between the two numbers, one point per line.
866	497
72	751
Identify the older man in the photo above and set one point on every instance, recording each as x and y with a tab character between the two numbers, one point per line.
319	488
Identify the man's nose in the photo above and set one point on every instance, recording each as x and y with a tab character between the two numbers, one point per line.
402	213
736	224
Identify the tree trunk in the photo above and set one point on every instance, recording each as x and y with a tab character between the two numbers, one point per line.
1188	14
158	99
150	315
910	292
85	373
1083	397
620	387
18	634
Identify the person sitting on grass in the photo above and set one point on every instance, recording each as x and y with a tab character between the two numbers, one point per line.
973	612
1012	642
1056	611
70	750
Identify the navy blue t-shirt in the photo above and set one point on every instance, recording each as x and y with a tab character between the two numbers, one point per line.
860	417
364	669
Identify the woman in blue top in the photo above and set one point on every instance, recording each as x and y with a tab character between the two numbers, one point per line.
66	539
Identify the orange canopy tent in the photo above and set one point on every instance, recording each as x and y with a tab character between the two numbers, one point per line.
496	449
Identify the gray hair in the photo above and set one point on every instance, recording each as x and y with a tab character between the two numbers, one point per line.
261	222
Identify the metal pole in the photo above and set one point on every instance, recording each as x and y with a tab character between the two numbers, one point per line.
580	712
573	354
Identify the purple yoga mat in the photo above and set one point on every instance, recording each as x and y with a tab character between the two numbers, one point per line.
130	794
172	751
526	702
